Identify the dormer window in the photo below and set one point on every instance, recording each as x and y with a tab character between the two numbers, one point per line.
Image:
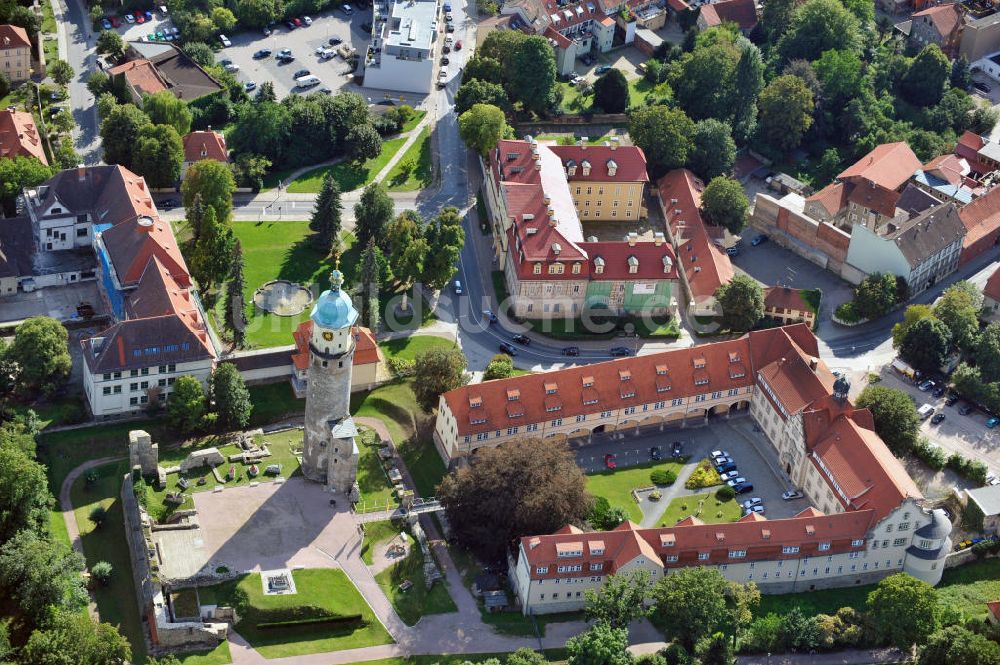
576	268
571	168
551	388
633	265
513	395
588	382
661	370
556	268
734	357
204	152
624	375
598	265
612	167
668	264
699	362
475	402
765	534
538	269
586	168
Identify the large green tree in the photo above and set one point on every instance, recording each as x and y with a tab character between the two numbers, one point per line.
371	280
213	251
704	88
476	91
437	371
958	308
326	216
713	151
24	495
664	134
158	155
691	604
923	84
611	92
748	81
61	72
363	143
120	132
500	366
112	44
818	26
76	638
483	68
620	601
520	488
926	345
602	644
163	108
41	575
987	353
724	203
41	352
187	405
482	126
445	238
912	314
215	183
786	107
957	645
842	75
408	250
19	172
903	610
231	397
372	213
875	295
531	74
236	318
742	303
257	13
895	415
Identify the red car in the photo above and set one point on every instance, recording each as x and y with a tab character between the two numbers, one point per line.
139	17
115	21
609	461
298	22
458	45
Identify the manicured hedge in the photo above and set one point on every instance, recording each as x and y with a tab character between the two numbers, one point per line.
355	620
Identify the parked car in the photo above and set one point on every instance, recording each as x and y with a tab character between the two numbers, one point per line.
722	461
225	41
442	77
571	350
297	21
754	509
755	501
675	449
148	15
619	351
140	17
938	417
744	488
791	494
458	45
718	453
232	67
129	18
444	60
284	51
285	59
167	204
939	391
290	25
333	41
759	240
602	69
106	24
965	409
727	467
300	73
729	475
307	20
508	349
522	339
654	454
993	422
458	288
925	386
738	480
450	27
346	9
447	7
326	91
732	251
609	461
951	399
266	31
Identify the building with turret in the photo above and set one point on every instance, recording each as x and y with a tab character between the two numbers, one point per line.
330	452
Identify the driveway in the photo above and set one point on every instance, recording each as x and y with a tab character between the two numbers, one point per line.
334	73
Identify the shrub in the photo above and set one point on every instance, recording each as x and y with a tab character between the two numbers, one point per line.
101	572
974	470
98	515
604	516
704	476
663	477
725	493
847	312
401	367
141	492
655	495
931	455
981	549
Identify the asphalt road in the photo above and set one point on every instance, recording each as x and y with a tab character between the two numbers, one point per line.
80	54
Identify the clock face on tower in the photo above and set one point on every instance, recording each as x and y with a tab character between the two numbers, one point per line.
328	336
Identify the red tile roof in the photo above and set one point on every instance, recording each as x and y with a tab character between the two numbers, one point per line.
968	147
141	75
560	39
881	200
13	36
678	5
782	297
888	165
19	137
741	12
655	260
833	197
629	160
981	217
366	350
706	266
132	243
205	145
945	18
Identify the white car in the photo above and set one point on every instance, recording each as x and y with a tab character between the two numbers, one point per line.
232	67
307	20
718	453
730	475
754	509
733	482
443	77
448	41
755	501
791	494
225	41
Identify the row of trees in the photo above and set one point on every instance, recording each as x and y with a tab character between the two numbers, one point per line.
874	297
929	334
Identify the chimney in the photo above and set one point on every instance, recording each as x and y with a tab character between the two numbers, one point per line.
81	173
553	222
658	238
538	163
632	237
145	223
614	142
580	141
583	142
547	199
813	364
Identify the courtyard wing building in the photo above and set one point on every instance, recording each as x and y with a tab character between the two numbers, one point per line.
867	519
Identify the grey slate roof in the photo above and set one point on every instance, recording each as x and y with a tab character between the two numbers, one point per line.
17	246
137	343
987	498
928	233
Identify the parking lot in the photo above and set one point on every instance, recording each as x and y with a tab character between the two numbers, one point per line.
754	456
967	434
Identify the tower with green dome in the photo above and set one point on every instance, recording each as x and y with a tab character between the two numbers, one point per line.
330	453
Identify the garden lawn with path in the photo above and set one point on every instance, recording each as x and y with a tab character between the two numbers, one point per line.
417	600
320	593
638	91
376	490
616	486
415	169
349	175
375	534
705	507
408	348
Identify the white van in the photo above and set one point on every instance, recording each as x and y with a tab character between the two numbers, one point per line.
443	77
307	81
925	411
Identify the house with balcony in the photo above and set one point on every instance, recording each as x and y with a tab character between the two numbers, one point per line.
401	54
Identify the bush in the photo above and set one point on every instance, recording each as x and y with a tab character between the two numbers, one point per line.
401	367
655	495
663	477
725	493
704	476
930	454
101	572
981	549
98	515
974	470
847	312
604	516
141	492
354	621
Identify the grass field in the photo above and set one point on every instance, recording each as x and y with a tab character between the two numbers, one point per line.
327	589
616	486
408	348
273	402
638	91
376	533
417	600
376	490
703	506
421	172
552	655
349	176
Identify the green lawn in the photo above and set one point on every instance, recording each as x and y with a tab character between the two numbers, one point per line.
376	490
418	600
280	444
552	655
412	123
395	404
616	486
348	175
272	402
574	137
409	347
115	602
421	172
375	533
638	89
328	590
703	506
217	656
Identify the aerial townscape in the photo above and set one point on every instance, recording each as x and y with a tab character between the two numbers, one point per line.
505	332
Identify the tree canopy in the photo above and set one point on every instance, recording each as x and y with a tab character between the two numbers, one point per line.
786	107
713	151
520	488
187	405
923	84
620	600
724	203
611	92
926	345
958	308
896	419
215	183
163	108
602	644
818	26
903	610
437	371
231	397
664	134
482	126
41	353
372	214
158	155
742	303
